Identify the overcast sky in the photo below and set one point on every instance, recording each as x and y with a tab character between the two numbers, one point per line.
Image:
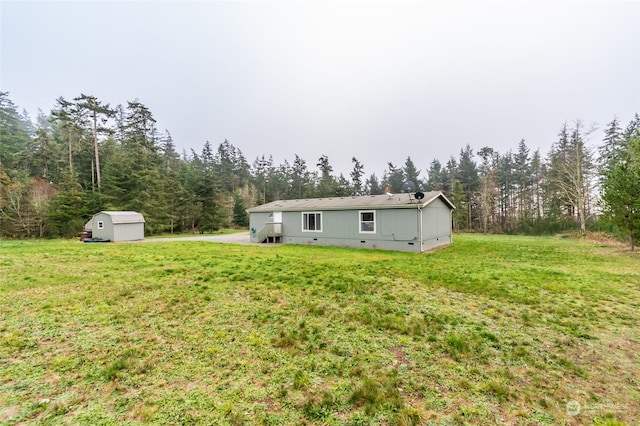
378	80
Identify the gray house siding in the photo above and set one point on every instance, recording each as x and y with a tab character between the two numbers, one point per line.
436	225
256	222
395	230
399	225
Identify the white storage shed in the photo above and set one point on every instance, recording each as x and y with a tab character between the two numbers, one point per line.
117	226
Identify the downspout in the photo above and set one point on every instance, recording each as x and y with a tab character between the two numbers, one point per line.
450	226
420	228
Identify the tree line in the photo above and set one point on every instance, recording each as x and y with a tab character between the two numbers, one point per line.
86	156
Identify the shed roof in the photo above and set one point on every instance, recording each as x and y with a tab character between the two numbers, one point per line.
124	217
395	201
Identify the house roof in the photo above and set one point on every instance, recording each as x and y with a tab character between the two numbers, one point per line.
124	217
390	201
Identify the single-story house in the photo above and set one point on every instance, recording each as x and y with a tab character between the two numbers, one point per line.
408	222
116	226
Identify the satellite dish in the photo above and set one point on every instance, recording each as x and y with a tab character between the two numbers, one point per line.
419	195
408	186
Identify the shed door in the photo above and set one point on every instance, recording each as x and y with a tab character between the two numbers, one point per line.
277	218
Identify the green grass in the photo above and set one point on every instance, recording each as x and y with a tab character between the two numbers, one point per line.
491	330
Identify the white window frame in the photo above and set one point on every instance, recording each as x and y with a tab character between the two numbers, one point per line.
305	214
100	224
360	221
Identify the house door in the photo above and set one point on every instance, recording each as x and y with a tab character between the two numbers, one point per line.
277	219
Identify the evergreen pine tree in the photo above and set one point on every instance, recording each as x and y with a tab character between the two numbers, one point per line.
621	194
327	184
411	173
14	136
240	216
356	177
468	178
372	185
435	177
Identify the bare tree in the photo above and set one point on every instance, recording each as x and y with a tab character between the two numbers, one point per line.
572	171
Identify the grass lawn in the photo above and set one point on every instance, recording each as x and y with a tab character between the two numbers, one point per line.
490	330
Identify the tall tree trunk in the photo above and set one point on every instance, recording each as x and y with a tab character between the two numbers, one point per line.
95	148
70	153
580	187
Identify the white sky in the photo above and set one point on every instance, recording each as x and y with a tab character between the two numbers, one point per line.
378	80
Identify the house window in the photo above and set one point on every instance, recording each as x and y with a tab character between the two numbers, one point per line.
312	222
100	224
367	222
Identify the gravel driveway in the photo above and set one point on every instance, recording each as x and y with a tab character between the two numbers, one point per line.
237	238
